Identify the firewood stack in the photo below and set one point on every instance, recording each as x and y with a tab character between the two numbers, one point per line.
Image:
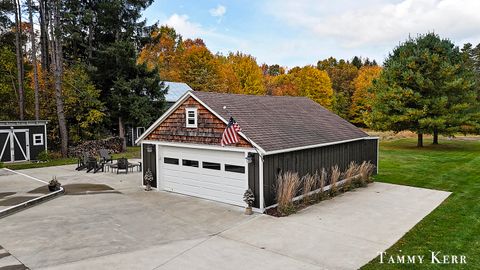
113	145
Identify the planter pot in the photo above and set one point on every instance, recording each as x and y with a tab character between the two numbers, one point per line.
248	211
52	188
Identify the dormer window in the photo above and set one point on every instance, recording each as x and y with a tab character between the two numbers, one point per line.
191	116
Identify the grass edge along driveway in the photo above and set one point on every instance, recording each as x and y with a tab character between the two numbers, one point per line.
454	227
132	152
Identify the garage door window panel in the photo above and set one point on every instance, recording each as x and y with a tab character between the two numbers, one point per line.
234	168
211	166
190	163
168	160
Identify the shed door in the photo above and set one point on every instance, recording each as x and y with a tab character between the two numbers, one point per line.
210	174
15	145
5	153
21	145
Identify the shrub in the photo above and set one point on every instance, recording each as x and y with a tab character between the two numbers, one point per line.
287	187
55	155
334	177
43	156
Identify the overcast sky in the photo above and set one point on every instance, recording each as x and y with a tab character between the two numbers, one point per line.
300	32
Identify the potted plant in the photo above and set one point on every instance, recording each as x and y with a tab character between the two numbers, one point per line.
148	180
248	198
54	185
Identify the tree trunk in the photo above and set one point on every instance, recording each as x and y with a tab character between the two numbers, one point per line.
90	43
121	133
34	61
44	36
420	140
58	74
19	56
435	136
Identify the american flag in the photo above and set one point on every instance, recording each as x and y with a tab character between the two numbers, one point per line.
230	134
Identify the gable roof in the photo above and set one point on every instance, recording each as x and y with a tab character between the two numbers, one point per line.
275	123
282	122
24	123
175	90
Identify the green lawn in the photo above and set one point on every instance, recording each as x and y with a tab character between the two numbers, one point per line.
452	228
132	152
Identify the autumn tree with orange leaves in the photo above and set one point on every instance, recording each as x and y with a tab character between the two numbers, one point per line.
362	96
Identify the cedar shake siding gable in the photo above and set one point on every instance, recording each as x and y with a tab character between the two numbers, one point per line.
209	128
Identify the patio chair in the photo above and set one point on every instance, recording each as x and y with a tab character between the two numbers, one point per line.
82	161
91	164
122	164
105	156
100	166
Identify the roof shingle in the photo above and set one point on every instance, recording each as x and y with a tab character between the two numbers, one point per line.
281	122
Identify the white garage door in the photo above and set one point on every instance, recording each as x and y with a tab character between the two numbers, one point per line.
210	174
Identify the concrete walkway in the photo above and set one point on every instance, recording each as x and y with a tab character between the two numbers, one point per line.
9	262
158	230
16	189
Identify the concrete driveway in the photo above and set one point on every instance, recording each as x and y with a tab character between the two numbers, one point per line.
133	229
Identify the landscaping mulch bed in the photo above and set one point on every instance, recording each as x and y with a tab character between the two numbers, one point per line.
298	205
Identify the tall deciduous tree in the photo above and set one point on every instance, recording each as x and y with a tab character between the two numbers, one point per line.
164	51
314	84
362	97
19	59
341	74
248	73
425	87
34	59
200	68
282	85
83	109
57	66
44	36
8	82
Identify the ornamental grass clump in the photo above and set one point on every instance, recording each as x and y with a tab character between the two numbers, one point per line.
349	176
334	177
365	172
322	178
308	184
287	187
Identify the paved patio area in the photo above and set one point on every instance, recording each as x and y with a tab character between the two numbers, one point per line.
134	229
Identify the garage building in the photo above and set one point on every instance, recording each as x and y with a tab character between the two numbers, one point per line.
182	148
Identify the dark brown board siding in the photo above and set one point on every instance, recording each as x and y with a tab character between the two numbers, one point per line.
314	159
150	162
